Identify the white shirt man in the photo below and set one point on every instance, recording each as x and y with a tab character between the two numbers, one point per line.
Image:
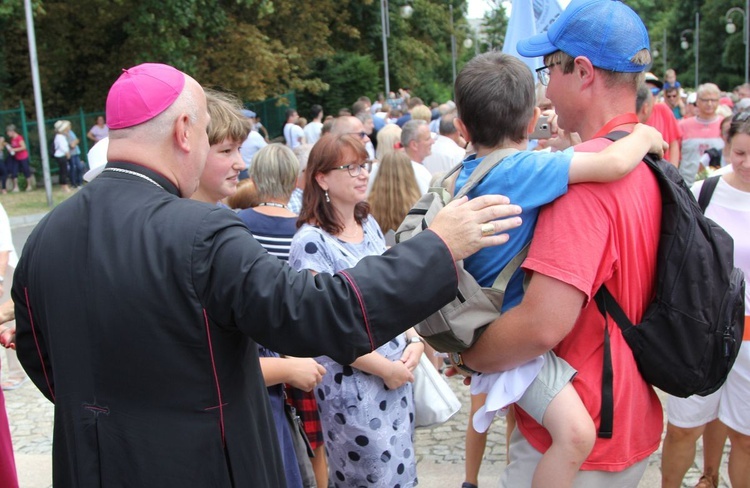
315	126
293	134
448	149
417	141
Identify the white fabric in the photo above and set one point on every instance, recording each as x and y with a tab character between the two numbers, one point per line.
729	403
730	208
503	389
61	145
445	155
97	157
312	132
6	239
250	146
292	134
434	401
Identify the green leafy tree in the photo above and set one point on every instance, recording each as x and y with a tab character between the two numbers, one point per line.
494	25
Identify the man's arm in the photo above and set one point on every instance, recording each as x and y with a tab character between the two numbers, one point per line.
547	314
675	153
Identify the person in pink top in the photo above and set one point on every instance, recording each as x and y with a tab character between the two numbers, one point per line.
701	132
601	233
19	159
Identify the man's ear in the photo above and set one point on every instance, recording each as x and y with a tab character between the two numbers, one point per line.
461	127
182	132
584	70
534	118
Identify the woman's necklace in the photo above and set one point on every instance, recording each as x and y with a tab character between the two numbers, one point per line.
273	204
353	235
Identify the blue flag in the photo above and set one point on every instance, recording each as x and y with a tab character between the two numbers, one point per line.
527	18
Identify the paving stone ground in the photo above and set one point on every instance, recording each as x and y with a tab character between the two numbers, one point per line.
440	449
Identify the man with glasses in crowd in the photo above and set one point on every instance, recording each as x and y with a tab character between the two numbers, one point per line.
701	132
674	101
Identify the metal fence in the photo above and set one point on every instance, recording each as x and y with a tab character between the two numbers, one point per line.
270	111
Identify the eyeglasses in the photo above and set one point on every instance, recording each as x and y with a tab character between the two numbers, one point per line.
361	135
543	73
709	100
355	169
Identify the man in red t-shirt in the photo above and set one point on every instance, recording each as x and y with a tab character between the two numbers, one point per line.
660	117
595	234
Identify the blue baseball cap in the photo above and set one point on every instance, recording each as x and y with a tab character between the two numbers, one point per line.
607	32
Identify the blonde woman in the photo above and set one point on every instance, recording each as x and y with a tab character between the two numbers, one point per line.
394	191
389	139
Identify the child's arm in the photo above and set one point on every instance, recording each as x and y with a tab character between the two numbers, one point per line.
618	159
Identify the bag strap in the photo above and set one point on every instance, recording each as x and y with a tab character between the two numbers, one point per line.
502	280
707	191
488	164
607	305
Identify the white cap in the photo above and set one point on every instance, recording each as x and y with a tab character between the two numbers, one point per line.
97	159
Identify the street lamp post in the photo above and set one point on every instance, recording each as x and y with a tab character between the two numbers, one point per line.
731	29
453	44
385	24
386	30
696	41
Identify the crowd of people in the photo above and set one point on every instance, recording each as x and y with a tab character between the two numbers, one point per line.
231	279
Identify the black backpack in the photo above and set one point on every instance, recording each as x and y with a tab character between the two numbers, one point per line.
690	334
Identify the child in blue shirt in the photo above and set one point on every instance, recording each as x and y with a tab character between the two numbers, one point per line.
495	98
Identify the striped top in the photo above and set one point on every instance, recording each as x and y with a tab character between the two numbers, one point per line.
272	232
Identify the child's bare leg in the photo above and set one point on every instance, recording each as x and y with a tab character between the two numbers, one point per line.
475	442
320	466
573	436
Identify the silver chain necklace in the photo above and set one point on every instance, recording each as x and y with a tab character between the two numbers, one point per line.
273	204
134	173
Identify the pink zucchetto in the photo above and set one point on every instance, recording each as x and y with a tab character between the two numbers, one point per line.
141	93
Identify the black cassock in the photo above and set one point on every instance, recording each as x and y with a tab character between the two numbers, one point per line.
137	313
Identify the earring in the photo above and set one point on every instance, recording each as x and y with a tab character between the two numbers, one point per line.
328	199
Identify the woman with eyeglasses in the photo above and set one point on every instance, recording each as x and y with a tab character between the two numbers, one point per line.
366	407
726	410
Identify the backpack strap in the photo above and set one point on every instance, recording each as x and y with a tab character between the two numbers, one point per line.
607	305
488	164
502	280
707	191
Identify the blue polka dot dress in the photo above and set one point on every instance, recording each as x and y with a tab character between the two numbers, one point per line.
368	429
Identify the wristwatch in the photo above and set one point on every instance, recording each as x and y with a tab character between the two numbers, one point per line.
414	340
458	360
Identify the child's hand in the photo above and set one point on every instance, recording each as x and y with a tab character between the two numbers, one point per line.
658	146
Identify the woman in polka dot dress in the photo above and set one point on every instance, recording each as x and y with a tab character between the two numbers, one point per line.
366	408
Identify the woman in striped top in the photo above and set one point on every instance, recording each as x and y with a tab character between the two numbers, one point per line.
274	172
